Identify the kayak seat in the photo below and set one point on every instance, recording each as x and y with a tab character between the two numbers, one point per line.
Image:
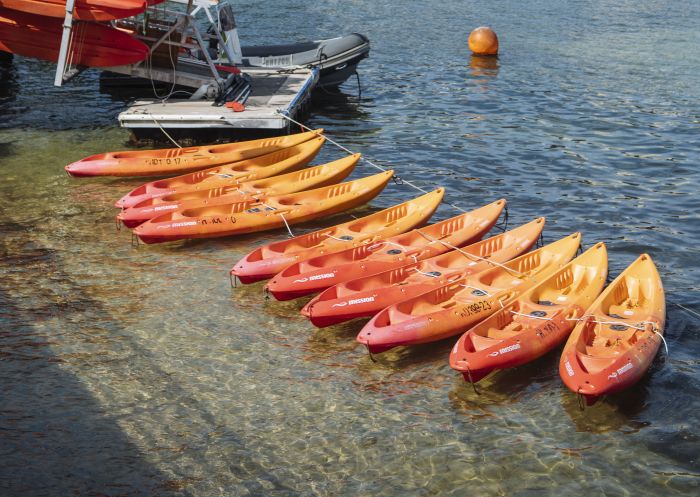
481	342
593	362
513	328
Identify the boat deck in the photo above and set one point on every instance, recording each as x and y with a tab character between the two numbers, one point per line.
272	90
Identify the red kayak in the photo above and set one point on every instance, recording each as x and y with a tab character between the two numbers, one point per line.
614	346
94	45
365	297
534	323
85	10
319	273
453	308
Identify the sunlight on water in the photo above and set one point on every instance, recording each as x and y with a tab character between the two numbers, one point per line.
137	370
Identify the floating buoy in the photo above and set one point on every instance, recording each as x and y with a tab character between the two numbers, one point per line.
483	41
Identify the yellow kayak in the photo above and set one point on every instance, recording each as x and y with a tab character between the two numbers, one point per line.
262	214
169	161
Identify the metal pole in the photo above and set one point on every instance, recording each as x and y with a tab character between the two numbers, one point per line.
65	43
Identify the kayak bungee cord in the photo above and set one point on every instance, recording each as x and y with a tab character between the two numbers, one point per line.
586	317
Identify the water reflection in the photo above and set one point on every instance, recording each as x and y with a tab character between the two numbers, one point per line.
484	66
9	85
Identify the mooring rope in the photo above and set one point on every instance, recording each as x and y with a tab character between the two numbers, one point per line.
689	311
365	159
163	130
280	214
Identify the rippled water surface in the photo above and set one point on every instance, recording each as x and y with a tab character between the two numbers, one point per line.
137	371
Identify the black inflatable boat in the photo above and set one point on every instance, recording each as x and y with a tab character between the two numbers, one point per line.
336	58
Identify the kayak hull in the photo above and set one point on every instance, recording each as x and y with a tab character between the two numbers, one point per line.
253	216
369	295
171	161
268	260
319	273
306	179
227	175
613	349
451	309
534	323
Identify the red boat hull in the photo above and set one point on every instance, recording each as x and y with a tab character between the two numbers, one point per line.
85	10
94	45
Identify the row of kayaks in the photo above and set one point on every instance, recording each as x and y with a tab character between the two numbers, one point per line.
508	305
254	192
418	284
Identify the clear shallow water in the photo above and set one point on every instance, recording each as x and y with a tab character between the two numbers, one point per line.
129	371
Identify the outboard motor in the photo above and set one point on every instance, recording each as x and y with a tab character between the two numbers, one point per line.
227	24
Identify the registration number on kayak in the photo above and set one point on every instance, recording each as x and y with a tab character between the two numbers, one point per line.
475	308
175	161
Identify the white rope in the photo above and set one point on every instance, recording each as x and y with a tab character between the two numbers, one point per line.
483	259
280	214
363	158
287	225
689	311
163	130
427	237
587	317
336	238
386	242
662	338
422	272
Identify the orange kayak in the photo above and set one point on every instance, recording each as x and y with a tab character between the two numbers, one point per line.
613	347
534	323
263	166
257	215
169	161
95	45
268	260
318	273
367	296
85	10
297	181
453	308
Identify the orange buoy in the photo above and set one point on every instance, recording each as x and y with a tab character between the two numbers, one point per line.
483	41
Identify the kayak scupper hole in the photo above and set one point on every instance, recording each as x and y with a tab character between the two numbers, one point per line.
393	251
538	314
